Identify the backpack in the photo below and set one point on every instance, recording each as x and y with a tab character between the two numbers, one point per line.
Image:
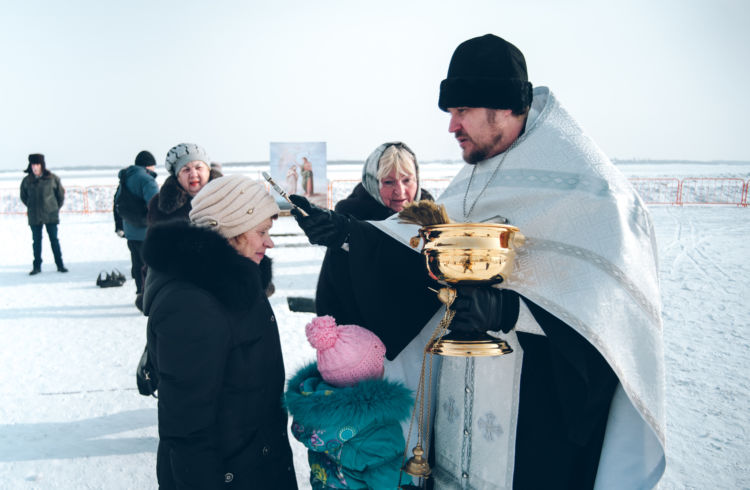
130	207
146	377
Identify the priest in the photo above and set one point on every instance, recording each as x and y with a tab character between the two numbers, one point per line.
580	402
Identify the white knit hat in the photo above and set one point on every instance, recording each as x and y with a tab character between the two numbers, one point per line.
232	205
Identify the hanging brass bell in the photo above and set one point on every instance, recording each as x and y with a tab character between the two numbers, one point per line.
417	465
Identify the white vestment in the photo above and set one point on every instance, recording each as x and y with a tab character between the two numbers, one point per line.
590	260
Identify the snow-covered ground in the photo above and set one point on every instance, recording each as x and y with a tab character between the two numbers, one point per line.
71	418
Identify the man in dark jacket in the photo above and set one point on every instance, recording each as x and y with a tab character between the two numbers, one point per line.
43	195
137	187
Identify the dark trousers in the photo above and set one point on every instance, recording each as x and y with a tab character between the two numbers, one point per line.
136	264
36	235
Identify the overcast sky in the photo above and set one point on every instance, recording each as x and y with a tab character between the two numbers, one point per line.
94	82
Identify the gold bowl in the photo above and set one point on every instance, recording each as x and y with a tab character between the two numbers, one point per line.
470	253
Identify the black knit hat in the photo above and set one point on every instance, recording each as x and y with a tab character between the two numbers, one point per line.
36	158
145	159
489	72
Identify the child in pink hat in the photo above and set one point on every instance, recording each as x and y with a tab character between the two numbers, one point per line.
345	413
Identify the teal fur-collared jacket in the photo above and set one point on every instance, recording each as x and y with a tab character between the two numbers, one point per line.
353	434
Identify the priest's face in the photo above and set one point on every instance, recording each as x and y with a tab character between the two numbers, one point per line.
482	133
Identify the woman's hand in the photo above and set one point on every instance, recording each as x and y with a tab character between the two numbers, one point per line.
322	226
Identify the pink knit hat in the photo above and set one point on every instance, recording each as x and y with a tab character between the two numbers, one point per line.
347	354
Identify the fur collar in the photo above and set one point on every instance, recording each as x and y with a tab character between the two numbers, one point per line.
205	259
172	196
373	400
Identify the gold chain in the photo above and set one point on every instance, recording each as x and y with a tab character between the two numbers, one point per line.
440	330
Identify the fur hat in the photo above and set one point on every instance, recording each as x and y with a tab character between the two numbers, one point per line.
145	159
180	155
232	205
347	354
36	158
486	71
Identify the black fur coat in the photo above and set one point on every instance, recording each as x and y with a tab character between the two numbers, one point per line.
213	338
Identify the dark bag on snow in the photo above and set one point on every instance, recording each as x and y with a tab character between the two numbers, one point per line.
130	207
146	377
110	280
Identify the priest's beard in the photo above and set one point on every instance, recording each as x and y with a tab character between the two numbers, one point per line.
483	151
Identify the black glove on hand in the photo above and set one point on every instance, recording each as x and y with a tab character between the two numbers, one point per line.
322	226
479	309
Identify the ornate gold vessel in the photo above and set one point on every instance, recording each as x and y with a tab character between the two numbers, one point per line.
468	254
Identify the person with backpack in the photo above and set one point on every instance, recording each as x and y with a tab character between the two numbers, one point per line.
137	187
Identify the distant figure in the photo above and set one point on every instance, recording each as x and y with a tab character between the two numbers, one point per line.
307	177
137	187
291	180
43	195
345	413
216	166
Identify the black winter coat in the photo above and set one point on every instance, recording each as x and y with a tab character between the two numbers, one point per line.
334	294
215	344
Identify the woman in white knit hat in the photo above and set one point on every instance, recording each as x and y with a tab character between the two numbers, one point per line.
213	338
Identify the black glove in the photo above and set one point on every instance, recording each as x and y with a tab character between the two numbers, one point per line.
322	226
479	309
